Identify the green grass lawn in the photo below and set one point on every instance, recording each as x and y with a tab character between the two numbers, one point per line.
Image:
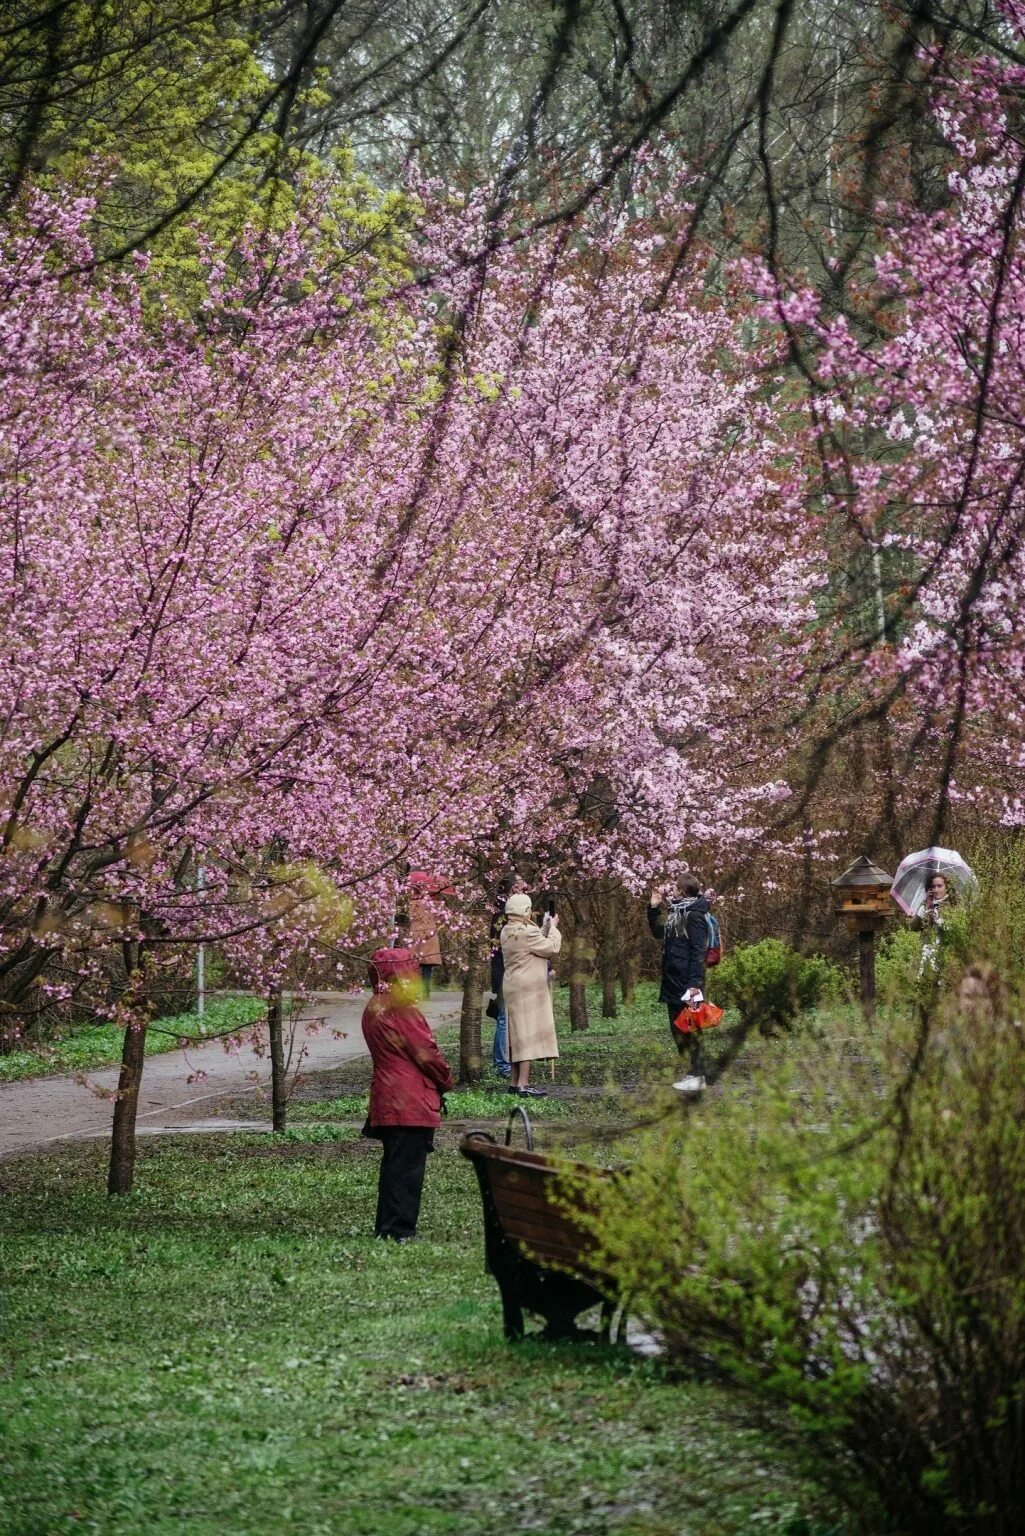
99	1045
227	1351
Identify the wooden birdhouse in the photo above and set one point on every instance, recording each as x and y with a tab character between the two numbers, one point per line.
862	895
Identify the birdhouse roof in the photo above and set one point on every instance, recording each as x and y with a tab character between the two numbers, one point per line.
862	873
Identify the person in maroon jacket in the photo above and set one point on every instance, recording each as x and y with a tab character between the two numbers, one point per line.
410	1075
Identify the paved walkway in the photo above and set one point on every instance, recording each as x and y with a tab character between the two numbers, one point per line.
46	1110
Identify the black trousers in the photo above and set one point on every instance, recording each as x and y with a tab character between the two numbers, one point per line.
401	1180
426	974
694	1043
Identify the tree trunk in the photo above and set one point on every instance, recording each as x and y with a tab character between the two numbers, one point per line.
122	1138
627	979
580	956
609	952
471	1064
278	1090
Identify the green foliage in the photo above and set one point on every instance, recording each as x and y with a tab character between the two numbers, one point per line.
312	1135
328	910
630	1051
164	116
99	1045
462	1104
860	1266
989	930
899	967
221	1014
158	94
996	917
769	983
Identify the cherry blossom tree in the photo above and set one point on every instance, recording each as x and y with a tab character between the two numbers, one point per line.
339	574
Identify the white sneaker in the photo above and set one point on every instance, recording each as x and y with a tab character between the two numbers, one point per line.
690	1084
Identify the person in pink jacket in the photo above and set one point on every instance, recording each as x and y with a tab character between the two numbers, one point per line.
409	1076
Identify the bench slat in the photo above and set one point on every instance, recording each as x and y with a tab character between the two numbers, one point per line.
505	1186
545	1219
569	1259
522	1194
568	1253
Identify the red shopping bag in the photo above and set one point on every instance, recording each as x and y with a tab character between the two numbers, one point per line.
704	1016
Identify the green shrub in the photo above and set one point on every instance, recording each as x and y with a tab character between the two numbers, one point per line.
989	930
857	1259
769	983
997	915
898	968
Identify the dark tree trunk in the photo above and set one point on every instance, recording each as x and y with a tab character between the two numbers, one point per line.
471	1064
581	955
126	1105
628	978
609	952
133	1054
278	1089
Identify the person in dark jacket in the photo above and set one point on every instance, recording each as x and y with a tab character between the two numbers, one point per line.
409	1076
683	932
514	886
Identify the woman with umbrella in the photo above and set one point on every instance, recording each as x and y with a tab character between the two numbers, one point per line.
937	895
927	886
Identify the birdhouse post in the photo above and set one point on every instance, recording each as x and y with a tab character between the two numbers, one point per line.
862	896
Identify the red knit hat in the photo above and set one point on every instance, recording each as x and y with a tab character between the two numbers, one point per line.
429	885
391	965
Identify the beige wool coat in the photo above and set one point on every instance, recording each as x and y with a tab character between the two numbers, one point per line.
528	1002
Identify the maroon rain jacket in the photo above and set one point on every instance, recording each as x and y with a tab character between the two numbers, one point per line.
410	1073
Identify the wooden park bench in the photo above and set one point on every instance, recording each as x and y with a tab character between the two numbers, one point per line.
539	1254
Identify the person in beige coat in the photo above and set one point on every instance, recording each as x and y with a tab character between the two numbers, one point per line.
526	950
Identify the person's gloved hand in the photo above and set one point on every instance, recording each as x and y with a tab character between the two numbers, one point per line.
692	997
443	1106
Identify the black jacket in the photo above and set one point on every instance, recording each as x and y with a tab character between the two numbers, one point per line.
684	936
497	957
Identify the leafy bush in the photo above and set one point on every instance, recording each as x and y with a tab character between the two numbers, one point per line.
995	920
770	984
898	968
859	1260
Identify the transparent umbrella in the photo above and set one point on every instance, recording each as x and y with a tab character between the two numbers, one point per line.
915	872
